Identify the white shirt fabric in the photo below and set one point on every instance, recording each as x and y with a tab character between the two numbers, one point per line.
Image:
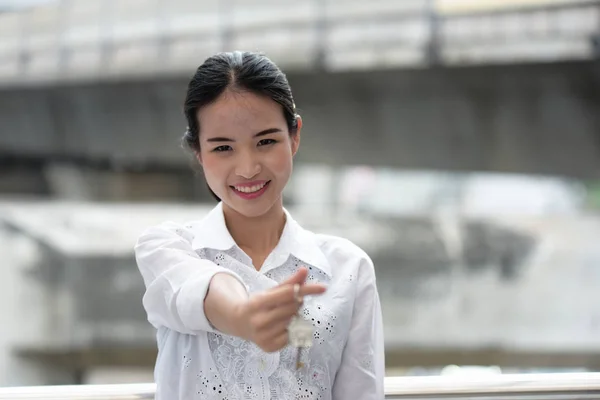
195	361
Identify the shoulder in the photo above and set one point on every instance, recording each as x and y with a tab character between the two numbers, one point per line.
186	229
340	247
343	253
168	229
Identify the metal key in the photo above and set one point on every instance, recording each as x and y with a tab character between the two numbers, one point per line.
301	335
300	331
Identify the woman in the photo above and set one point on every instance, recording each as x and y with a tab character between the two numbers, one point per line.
223	291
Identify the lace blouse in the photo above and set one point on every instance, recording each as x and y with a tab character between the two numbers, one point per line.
195	361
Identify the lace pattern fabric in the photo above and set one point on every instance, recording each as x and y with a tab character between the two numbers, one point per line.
268	375
197	362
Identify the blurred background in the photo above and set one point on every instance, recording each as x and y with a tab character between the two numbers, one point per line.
456	141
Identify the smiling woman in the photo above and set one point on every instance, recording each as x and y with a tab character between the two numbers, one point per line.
246	148
226	293
246	109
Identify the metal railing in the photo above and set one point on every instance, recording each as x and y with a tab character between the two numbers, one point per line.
324	35
528	386
522	23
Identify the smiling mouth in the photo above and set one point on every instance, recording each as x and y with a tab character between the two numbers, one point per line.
250	189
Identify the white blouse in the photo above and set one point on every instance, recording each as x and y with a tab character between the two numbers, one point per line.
195	361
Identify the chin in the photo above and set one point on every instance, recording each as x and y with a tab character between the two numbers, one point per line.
251	209
252	212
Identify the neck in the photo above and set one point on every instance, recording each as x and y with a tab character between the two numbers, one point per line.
256	235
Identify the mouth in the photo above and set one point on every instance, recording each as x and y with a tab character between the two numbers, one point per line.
251	192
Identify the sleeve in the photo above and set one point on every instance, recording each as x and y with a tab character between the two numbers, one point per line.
176	279
362	370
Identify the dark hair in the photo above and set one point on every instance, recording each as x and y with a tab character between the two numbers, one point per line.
242	71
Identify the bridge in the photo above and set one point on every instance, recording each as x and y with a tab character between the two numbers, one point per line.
71	40
513	88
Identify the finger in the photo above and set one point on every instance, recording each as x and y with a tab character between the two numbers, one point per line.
278	342
298	277
312	289
307	290
277	328
283	295
283	312
266	320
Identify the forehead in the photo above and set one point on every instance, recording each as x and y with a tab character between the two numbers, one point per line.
240	113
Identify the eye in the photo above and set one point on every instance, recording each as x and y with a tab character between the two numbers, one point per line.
221	149
265	142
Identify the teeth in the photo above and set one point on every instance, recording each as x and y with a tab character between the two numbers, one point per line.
250	189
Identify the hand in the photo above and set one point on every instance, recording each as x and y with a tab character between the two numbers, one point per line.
265	316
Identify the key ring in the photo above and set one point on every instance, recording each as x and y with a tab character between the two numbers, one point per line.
297	296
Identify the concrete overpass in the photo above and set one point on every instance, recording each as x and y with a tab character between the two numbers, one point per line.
393	84
535	118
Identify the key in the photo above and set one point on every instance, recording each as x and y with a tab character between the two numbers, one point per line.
298	354
301	335
300	331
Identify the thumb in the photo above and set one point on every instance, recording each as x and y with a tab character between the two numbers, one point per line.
299	277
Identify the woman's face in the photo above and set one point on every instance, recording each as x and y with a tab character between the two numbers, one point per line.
246	151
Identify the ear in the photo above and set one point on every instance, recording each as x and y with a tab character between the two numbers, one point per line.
296	136
198	156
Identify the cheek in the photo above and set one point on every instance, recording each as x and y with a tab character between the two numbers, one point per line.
281	163
212	167
208	162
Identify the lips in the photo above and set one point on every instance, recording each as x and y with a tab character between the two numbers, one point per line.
251	190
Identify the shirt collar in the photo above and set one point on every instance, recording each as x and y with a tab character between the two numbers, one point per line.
211	232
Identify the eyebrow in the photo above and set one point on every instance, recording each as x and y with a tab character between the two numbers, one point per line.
261	133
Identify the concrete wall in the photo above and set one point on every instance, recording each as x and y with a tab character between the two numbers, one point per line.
28	315
531	118
523	287
536	119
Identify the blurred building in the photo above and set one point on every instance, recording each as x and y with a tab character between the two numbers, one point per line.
92	89
476	287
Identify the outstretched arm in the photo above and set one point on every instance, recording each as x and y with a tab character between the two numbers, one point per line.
188	294
177	283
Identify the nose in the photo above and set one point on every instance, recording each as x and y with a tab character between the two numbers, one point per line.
248	165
